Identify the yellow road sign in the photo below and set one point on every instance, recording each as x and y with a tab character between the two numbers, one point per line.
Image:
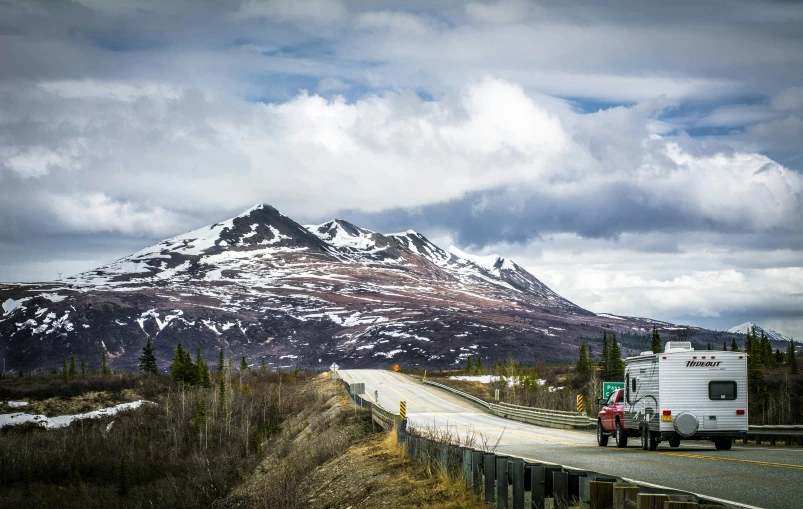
579	402
403	409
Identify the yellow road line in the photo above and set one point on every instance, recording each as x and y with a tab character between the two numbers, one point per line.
737	460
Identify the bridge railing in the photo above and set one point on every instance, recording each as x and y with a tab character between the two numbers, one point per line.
386	419
538	416
789	435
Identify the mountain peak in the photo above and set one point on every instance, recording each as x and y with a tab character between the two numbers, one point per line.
746	327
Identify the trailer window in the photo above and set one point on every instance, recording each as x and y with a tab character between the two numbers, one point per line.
633	385
722	390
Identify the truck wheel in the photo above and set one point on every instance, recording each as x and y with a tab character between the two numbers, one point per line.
652	441
723	444
602	438
674	443
621	436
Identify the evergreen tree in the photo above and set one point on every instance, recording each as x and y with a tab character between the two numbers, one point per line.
182	369
755	365
778	356
222	390
73	372
765	350
200	415
724	347
583	364
83	367
655	344
468	366
123	477
65	374
221	363
203	370
262	365
734	346
479	366
243	364
147	361
791	358
603	362
616	365
104	367
709	347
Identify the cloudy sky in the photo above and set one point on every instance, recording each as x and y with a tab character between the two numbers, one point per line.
641	158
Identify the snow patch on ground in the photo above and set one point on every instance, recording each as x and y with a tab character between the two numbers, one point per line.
65	420
10	305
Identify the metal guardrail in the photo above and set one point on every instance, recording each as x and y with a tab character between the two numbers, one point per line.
386	419
491	476
539	416
771	434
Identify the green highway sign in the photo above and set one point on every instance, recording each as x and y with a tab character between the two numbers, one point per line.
609	387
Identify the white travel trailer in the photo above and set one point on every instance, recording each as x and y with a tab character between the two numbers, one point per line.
681	394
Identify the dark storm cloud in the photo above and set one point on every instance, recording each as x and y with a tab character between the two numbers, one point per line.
487	218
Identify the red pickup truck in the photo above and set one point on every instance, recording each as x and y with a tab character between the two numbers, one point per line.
611	420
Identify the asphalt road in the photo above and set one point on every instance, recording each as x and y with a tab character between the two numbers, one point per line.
764	477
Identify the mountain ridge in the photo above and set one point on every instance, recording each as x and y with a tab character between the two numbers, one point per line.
263	286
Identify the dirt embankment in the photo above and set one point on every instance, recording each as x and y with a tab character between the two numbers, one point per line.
332	458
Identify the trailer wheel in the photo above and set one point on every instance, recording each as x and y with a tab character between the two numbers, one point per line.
674	443
644	438
652	441
621	436
723	444
602	438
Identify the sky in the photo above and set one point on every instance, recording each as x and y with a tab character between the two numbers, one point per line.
640	158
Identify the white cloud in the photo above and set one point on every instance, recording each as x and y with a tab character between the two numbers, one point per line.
699	281
97	212
313	156
320	11
398	22
112	90
789	99
503	12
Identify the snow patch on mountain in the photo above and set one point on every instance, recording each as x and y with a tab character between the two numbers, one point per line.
748	326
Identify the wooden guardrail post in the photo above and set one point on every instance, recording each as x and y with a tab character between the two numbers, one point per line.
651	501
476	469
538	486
467	470
625	496
489	463
560	488
501	482
600	495
517	474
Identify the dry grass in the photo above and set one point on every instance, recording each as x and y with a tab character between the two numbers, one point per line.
335	460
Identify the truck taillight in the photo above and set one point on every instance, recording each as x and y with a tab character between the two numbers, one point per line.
667	412
740	412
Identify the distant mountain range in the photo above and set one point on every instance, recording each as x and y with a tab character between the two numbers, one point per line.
261	285
747	326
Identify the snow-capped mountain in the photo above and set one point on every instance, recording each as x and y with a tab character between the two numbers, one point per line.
264	286
748	326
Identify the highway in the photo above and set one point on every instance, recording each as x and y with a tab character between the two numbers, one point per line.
744	477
